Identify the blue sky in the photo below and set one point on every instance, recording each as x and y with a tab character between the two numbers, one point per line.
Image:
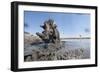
68	24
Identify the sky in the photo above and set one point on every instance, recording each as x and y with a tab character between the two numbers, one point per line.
68	24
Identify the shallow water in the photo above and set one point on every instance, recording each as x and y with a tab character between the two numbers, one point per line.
77	43
69	44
